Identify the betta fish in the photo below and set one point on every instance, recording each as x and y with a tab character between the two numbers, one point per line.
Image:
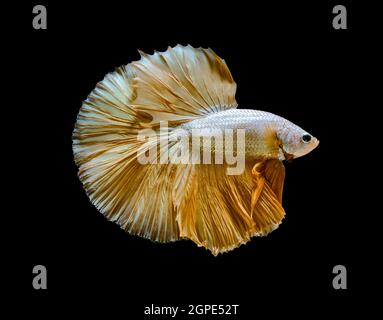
187	89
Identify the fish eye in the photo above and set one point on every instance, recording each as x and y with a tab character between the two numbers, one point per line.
306	138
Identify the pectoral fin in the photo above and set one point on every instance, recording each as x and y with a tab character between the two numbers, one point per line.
266	200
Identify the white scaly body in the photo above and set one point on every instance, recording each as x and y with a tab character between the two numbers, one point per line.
258	125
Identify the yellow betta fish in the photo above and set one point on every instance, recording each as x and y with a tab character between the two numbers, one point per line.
163	151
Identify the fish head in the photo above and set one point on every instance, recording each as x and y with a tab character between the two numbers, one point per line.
295	142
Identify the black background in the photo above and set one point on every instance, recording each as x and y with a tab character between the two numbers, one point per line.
286	59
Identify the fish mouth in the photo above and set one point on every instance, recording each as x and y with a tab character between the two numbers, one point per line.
316	143
313	145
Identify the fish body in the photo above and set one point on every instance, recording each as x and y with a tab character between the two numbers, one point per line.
268	136
137	144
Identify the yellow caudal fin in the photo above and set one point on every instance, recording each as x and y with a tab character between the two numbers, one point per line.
221	212
178	85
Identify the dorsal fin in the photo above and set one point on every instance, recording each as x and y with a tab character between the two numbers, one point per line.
182	83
